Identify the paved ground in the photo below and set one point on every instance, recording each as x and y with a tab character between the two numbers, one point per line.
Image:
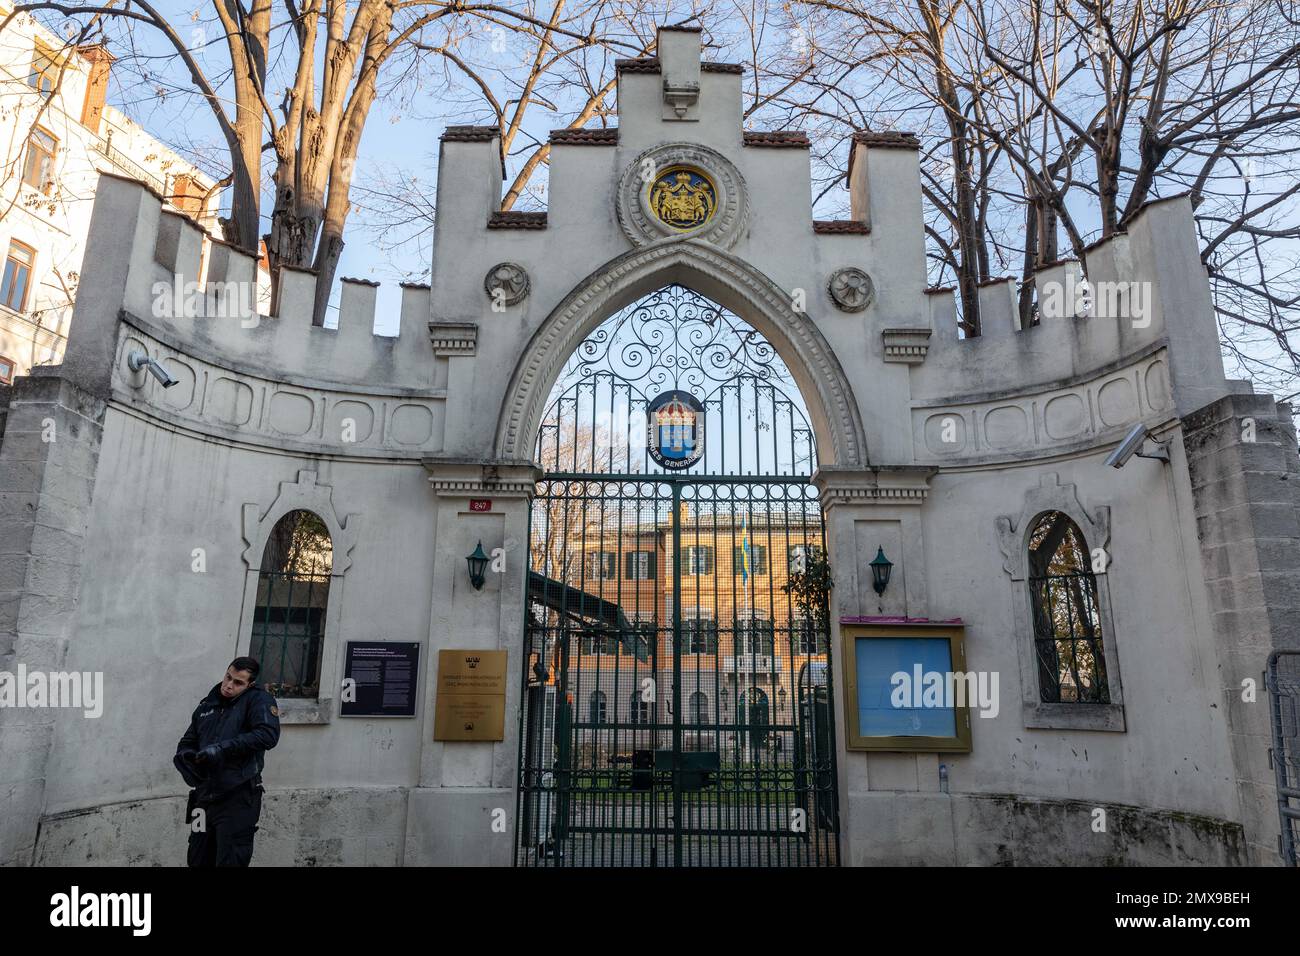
642	833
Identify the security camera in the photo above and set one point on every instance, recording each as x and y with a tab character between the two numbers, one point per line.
1132	445
138	360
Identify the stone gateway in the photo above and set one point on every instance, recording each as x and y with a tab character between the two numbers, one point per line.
681	685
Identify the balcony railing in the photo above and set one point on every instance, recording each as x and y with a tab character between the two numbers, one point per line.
128	165
751	664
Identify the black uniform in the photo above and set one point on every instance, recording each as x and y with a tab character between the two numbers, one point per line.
220	756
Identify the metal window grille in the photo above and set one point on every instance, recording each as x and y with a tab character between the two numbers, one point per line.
289	631
1068	639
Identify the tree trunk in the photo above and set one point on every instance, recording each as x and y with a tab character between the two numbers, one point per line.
247	39
343	164
965	205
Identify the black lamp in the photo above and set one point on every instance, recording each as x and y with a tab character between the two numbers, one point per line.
880	568
478	562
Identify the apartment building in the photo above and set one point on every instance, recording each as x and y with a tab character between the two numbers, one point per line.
57	134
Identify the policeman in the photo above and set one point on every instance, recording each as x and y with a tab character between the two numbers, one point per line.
220	756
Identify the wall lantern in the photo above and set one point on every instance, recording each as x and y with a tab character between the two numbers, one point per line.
881	566
478	562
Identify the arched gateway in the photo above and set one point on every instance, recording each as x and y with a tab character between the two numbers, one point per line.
671	606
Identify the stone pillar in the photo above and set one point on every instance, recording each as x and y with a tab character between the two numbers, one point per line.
1245	476
867	509
48	462
462	786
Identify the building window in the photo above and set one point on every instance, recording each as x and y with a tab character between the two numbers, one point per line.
754	634
641	642
699	634
606	644
45	71
805	639
798	556
596	707
38	171
640	709
640	566
699	708
293	588
1066	616
757	559
6	371
17	278
600	564
699	560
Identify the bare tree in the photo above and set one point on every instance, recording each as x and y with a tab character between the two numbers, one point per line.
560	73
298	84
1060	119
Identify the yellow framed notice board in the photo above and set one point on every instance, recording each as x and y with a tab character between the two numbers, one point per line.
906	686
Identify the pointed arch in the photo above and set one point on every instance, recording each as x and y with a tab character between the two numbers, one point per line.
727	280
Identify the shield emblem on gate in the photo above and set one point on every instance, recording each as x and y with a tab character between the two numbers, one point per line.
676	422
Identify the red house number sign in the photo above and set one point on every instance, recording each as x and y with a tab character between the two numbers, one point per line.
480	504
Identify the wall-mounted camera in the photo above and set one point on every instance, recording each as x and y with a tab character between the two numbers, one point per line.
138	360
1132	445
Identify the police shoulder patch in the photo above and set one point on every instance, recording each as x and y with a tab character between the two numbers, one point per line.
275	711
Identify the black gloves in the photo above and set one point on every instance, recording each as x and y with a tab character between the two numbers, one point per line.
211	754
184	762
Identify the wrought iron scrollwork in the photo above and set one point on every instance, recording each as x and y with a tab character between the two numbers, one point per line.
676	338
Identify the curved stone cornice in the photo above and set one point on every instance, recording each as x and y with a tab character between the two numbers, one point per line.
733	284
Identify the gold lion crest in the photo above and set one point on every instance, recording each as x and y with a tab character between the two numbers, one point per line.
683	198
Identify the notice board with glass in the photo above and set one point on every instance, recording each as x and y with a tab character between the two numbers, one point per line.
906	687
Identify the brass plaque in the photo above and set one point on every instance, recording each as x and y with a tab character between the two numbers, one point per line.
470	717
471	672
471	701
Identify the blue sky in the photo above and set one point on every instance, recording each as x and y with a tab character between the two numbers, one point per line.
399	148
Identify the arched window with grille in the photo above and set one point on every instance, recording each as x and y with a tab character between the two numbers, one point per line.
1067	620
293	586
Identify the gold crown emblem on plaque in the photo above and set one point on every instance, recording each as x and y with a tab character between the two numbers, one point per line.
683	197
675	413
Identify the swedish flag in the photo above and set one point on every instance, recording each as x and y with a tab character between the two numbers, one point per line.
746	556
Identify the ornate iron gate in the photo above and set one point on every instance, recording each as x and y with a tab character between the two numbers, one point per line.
677	695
